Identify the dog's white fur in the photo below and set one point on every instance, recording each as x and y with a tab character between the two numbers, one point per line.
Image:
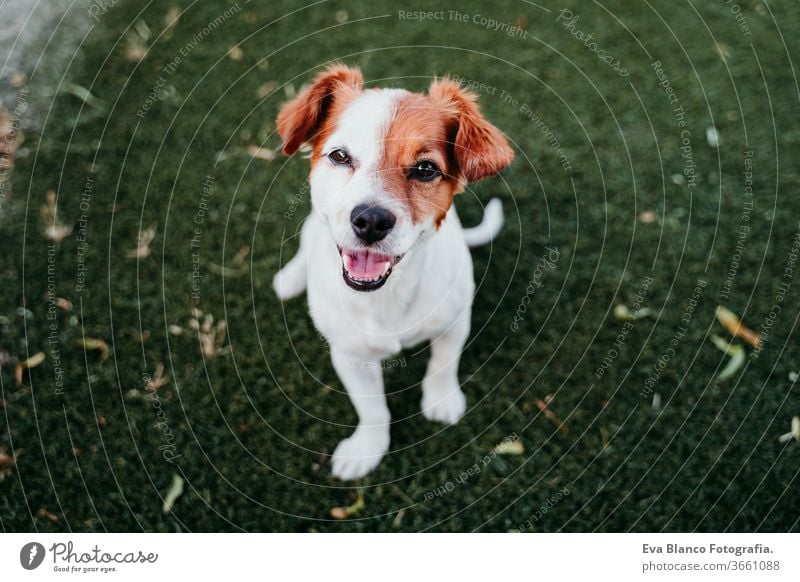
428	296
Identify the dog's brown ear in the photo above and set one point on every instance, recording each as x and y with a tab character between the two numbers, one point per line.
301	118
479	147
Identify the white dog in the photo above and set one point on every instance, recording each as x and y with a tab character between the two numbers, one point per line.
383	255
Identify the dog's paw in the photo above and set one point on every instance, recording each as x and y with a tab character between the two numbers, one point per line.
444	406
289	283
360	453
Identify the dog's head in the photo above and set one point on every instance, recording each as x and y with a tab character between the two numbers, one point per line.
386	163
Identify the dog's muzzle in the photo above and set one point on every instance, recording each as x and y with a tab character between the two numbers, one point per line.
366	270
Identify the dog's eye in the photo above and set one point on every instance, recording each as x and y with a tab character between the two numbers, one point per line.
340	157
425	171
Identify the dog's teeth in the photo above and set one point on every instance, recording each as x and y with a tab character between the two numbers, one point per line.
386	266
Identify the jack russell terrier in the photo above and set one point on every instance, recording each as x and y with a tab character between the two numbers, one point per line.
383	255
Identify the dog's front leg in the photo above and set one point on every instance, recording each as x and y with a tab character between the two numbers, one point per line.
442	398
291	281
360	453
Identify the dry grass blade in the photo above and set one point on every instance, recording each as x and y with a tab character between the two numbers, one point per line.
53	229
175	491
239	260
622	313
734	326
142	249
83	94
172	16
158	379
551	416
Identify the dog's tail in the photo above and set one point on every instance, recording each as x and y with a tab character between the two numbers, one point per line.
488	228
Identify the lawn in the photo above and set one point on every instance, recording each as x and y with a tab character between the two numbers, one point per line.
655	170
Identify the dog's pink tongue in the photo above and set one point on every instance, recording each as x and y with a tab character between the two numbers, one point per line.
364	264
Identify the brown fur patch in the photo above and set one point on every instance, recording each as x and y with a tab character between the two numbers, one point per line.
420	130
480	148
447	128
304	118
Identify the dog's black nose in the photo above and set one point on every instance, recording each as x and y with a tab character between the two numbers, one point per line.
371	223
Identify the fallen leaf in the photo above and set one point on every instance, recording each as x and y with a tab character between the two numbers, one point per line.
266	88
712	136
345	512
18	79
44	514
7	463
622	313
172	16
175	491
261	153
135	47
211	335
32	362
647	216
54	230
722	50
142	249
510	447
235	53
733	325
90	344
735	351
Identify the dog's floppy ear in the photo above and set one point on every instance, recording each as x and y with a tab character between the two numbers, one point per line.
479	147
301	118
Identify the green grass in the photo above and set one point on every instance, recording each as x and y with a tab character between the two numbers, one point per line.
250	426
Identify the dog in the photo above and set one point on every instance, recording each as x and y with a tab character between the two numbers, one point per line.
382	255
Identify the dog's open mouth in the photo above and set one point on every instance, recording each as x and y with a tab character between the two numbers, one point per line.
366	270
